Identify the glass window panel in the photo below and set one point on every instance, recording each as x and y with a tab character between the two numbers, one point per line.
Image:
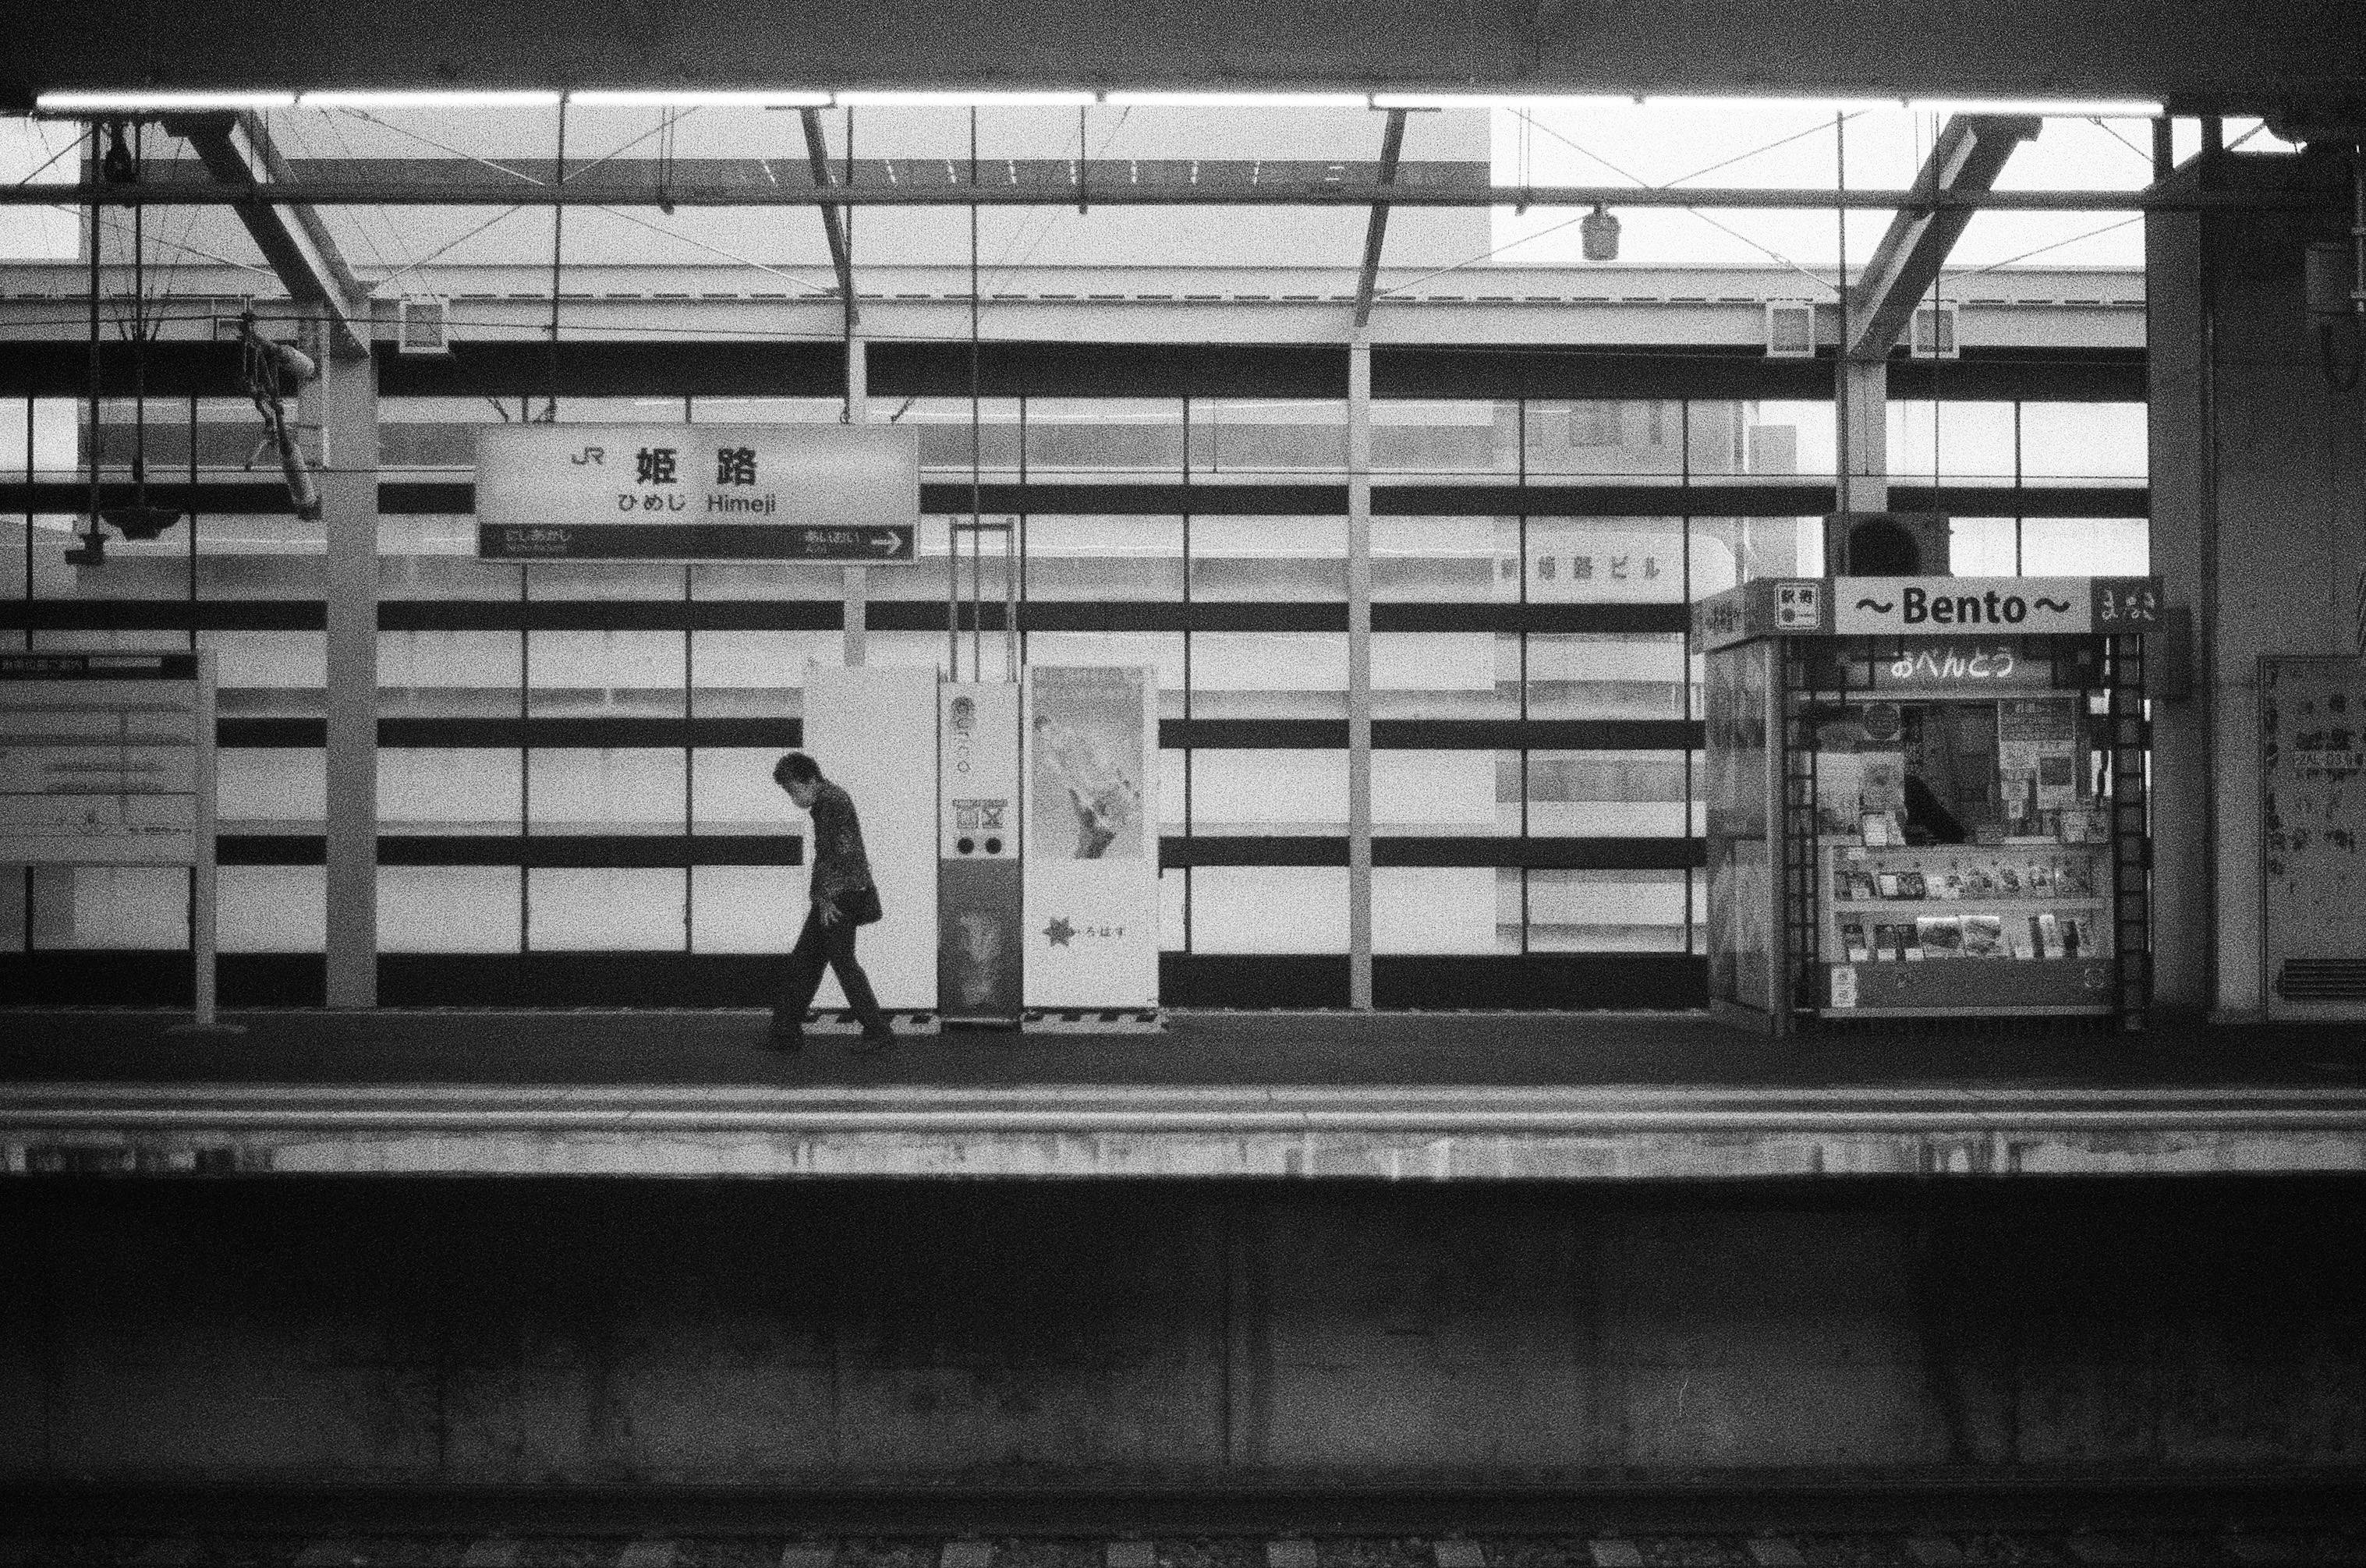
605	790
1781	439
731	791
766	410
259	556
1270	675
434	556
447	909
1437	910
1718	441
1951	443
755	674
638	674
1267	792
268	790
1637	437
632	910
432	789
1593	560
946	446
1983	547
1606	675
2083	440
1446	559
1269	908
138	907
1107	437
746	909
1450	794
447	674
1422	439
1606	911
2085	546
1104	558
1268	558
604	579
1445	675
1726	550
786	579
1250	437
271	908
1605	793
142	641
278	674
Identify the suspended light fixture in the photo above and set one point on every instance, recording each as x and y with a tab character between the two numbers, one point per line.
1598	234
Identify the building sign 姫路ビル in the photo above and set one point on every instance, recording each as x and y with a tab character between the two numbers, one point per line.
782	493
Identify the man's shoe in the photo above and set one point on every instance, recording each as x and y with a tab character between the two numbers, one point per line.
870	1042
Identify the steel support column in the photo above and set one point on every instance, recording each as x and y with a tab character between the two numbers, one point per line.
349	518
1359	674
1376	229
857	579
1864	385
1970	152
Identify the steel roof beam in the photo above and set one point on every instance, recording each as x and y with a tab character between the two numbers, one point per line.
833	218
237	152
1970	152
1146	193
1375	229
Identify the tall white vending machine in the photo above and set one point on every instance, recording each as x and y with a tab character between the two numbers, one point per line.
980	834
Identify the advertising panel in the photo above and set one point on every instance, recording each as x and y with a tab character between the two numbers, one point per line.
782	493
1092	844
1922	605
2313	870
100	757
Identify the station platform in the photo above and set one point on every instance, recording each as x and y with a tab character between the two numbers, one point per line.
1373	1097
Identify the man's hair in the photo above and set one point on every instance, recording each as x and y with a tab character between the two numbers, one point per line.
796	767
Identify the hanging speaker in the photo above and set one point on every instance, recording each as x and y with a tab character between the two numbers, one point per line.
1884	543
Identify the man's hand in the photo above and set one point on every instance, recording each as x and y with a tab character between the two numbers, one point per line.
828	911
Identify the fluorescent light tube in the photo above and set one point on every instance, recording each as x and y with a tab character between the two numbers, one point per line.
1772	101
164	100
1239	100
2067	108
430	97
1532	102
695	98
858	98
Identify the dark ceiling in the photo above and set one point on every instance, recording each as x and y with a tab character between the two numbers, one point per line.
2200	56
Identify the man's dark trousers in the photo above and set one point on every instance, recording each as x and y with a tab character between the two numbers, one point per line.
832	944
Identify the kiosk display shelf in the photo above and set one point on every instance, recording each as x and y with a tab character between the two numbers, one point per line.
1955	805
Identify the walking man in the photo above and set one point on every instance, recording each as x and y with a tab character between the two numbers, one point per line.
843	897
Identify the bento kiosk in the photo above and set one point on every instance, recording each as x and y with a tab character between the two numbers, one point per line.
1925	798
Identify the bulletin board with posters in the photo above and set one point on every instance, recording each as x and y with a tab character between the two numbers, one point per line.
1953	803
2313	855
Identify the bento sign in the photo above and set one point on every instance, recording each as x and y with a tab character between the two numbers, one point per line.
1928	604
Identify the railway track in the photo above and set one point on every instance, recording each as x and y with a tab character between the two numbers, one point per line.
718	1530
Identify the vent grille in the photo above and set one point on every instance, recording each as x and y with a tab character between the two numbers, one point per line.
422	324
1934	332
1790	329
2322	980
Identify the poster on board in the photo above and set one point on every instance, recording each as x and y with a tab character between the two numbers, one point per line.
1092	845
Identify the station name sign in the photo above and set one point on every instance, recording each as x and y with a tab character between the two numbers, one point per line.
778	492
1922	606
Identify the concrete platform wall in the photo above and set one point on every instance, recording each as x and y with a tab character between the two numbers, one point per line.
464	1332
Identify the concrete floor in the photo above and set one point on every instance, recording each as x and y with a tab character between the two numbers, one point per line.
1212	1049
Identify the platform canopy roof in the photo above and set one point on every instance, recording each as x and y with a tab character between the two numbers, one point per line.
2259	57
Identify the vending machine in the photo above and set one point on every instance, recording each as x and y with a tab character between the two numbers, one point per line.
980	836
1926	798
